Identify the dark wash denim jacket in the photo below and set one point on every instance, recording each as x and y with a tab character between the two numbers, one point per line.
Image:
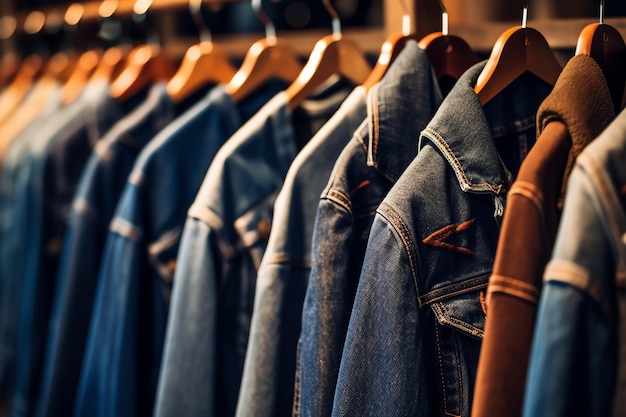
415	331
578	358
57	159
223	243
123	353
268	378
93	207
398	108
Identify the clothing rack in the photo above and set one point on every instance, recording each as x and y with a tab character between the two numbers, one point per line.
561	34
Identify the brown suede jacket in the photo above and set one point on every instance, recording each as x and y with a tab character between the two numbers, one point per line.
576	111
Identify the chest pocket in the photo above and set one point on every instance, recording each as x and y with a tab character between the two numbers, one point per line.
162	255
253	229
459	327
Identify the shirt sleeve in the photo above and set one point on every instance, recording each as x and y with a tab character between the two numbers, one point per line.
381	366
573	356
188	373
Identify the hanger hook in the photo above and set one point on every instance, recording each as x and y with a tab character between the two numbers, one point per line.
524	14
601	12
333	14
195	8
270	30
444	18
406	19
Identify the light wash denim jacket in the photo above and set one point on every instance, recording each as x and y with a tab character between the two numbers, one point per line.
578	358
398	108
415	331
224	239
93	207
269	371
124	346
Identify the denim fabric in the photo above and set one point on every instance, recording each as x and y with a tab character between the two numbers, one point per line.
93	207
417	321
124	345
398	108
13	177
269	370
578	355
225	236
55	158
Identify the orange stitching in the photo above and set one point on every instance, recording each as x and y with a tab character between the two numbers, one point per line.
483	302
360	186
436	238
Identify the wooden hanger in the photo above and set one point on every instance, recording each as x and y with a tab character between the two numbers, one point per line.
145	65
266	59
14	93
449	55
203	63
332	55
85	67
606	46
518	50
391	48
9	66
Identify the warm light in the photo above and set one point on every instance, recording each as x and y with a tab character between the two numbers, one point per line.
8	24
34	22
142	6
74	13
107	8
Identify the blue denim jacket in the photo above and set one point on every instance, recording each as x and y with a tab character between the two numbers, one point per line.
56	160
99	190
13	177
398	108
269	370
414	335
224	240
578	358
125	341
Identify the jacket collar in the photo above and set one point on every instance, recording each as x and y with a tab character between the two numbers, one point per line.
461	132
398	108
582	101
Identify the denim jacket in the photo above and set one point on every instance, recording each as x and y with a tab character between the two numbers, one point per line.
93	207
56	160
398	108
125	341
268	378
415	331
578	357
13	189
224	240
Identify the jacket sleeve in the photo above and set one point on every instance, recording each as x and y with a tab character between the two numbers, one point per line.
335	269
381	363
188	374
107	386
572	364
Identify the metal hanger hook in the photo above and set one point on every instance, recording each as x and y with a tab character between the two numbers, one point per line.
444	18
270	29
601	12
336	22
524	14
195	8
